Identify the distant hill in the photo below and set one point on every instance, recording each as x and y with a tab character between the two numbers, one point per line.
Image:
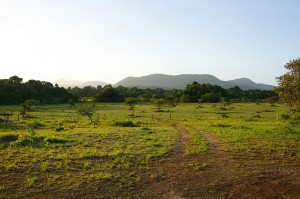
72	83
180	82
247	82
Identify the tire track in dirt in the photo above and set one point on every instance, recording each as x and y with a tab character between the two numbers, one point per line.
218	150
243	178
168	178
191	176
211	141
213	174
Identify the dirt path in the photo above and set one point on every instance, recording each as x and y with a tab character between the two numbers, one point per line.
212	142
248	177
214	174
218	152
187	176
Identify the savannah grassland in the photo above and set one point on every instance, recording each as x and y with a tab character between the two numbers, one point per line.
188	151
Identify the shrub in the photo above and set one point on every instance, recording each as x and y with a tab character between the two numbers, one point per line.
5	140
60	128
56	140
126	124
34	124
30	139
285	116
220	125
8	138
7	125
295	120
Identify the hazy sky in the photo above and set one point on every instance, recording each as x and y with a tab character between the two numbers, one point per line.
108	40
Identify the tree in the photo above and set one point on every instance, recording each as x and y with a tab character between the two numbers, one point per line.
172	97
159	103
272	100
224	102
71	102
108	94
289	84
26	106
86	111
210	97
131	102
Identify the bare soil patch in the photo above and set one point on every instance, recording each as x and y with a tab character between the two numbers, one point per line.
216	174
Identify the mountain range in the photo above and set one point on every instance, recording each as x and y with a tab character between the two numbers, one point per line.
180	82
172	82
73	83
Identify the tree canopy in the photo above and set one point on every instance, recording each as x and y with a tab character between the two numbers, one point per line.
289	84
14	91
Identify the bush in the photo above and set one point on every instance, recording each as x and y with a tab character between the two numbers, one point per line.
7	125
30	141
60	128
34	124
56	140
5	140
126	124
285	116
8	138
295	120
220	125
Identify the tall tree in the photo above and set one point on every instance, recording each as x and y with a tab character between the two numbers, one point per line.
108	94
289	84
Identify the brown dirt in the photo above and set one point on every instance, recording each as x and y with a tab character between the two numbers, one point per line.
216	174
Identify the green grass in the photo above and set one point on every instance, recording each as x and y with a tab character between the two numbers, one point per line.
65	150
44	166
250	129
30	181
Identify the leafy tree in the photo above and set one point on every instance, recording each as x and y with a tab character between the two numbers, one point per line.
28	104
185	98
272	100
141	99
172	97
235	92
108	94
210	97
14	91
289	84
71	102
86	111
131	102
224	102
159	103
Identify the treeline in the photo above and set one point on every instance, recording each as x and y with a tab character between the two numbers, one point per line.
14	91
194	92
